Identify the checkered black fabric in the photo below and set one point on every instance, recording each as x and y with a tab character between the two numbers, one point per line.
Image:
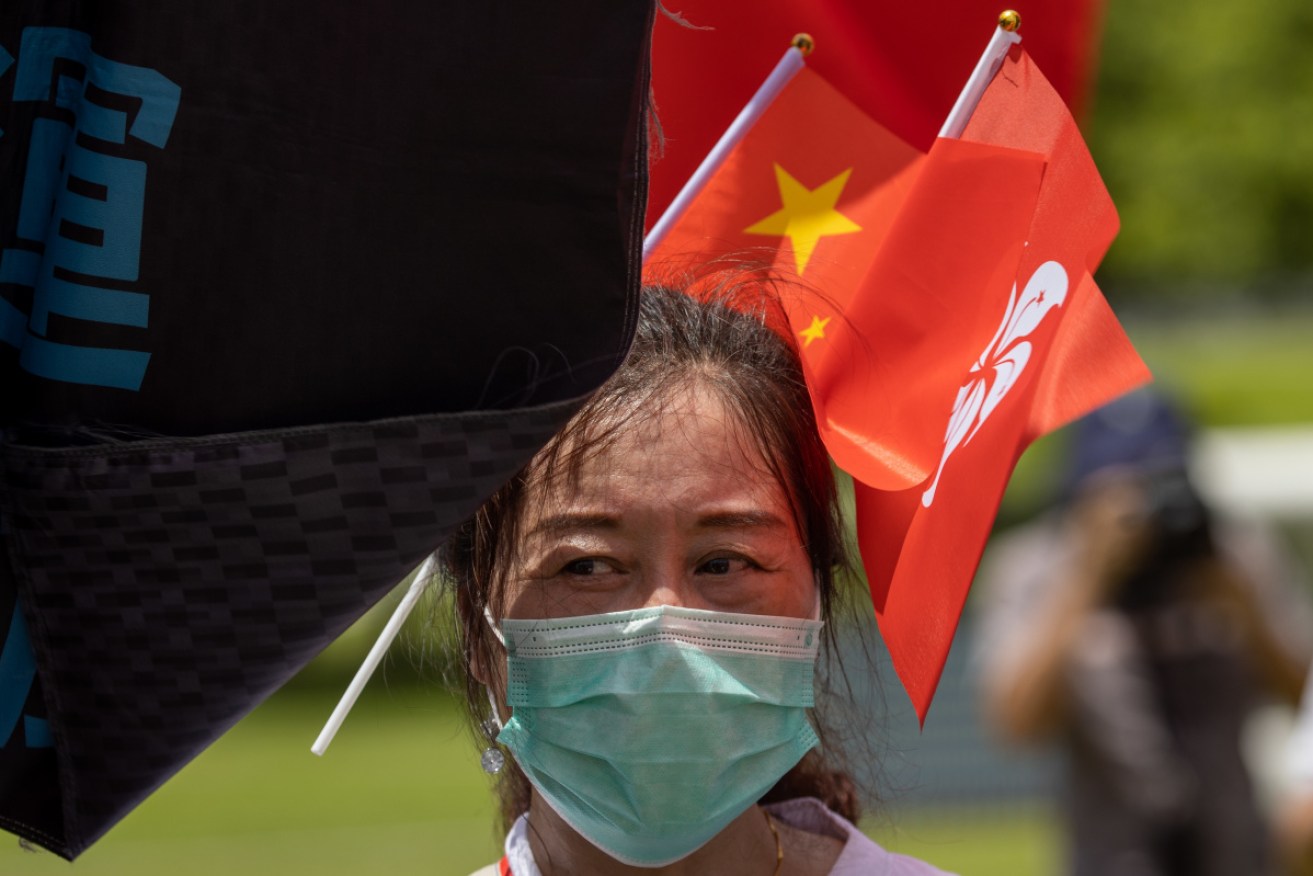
171	586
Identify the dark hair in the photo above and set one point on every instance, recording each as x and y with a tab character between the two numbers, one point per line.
721	338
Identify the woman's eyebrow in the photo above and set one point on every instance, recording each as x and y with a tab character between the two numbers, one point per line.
556	524
742	520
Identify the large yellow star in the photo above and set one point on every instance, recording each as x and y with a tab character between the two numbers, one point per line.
807	214
815	331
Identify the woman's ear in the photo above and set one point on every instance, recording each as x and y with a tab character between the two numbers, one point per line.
482	654
485	669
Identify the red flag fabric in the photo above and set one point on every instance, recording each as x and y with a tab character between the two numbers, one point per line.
947	316
904	67
1056	353
832	198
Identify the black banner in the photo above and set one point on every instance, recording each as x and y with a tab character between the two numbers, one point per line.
286	289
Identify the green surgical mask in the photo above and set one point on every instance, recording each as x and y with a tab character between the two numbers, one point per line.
649	731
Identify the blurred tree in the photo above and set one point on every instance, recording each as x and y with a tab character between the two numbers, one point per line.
1203	127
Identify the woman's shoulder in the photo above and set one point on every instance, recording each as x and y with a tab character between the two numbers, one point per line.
861	854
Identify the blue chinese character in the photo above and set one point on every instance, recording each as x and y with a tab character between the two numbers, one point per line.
17	672
80	217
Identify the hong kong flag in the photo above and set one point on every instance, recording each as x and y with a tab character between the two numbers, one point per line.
945	313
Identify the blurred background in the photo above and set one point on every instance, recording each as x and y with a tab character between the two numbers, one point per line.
1202	125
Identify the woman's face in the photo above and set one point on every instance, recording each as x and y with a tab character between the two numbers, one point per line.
681	510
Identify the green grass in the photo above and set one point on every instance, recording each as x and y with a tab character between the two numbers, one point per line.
401	792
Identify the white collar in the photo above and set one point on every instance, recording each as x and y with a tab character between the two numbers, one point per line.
518	853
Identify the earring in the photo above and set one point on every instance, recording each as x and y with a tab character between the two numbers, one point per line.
492	760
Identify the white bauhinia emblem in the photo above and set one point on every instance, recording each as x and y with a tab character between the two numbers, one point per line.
1007	354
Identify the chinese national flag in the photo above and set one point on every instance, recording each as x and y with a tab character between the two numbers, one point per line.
946	316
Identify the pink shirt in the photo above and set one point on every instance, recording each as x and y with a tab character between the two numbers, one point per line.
861	855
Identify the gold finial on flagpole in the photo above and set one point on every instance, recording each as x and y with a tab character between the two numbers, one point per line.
804	43
1010	20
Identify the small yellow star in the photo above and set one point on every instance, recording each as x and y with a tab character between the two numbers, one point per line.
807	215
815	331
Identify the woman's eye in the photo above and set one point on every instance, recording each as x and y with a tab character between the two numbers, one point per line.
587	566
723	565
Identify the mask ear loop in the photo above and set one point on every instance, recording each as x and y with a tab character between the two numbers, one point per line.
492	760
492	701
496	714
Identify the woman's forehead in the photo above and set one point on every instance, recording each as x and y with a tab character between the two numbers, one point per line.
689	446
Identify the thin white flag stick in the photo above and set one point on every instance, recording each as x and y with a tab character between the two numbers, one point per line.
375	656
784	71
986	67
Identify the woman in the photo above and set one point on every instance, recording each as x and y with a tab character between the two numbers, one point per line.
640	617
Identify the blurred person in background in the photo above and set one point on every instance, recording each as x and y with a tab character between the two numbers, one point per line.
1295	821
1138	629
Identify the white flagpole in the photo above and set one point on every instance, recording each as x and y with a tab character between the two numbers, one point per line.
784	71
375	656
1005	37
